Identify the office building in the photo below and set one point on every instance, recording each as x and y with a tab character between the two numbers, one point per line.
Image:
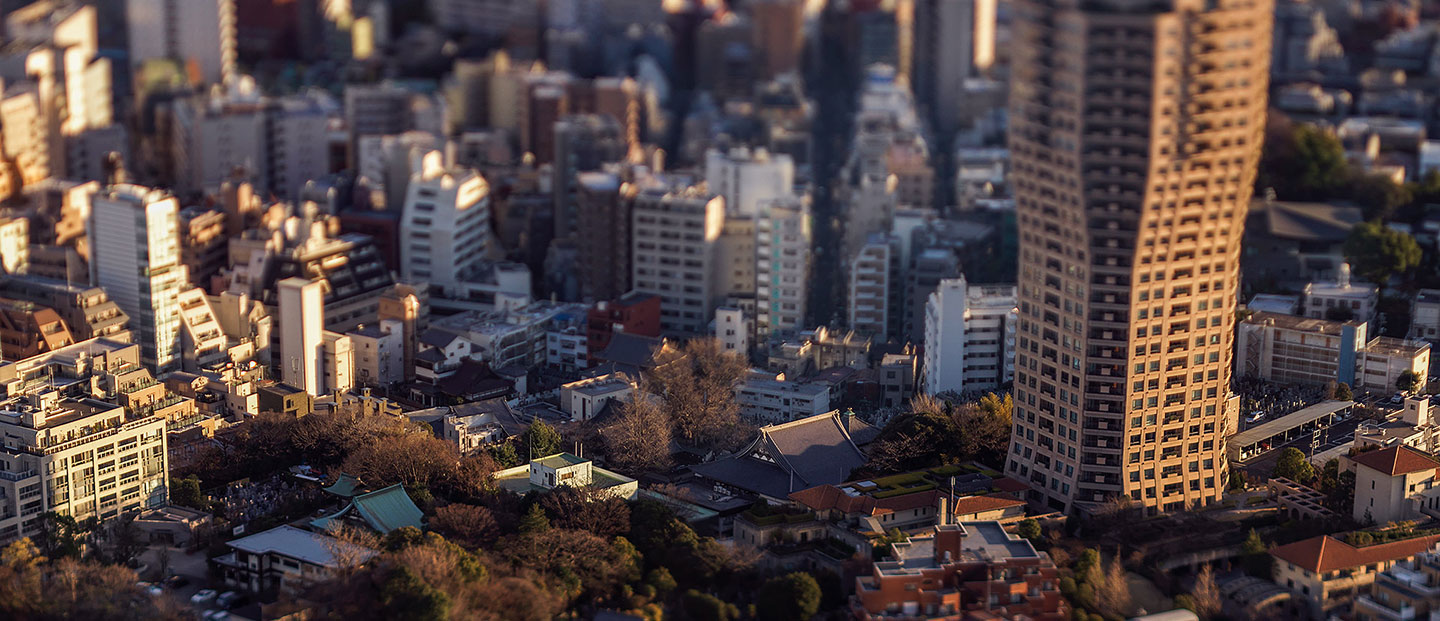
674	250
969	337
771	401
749	179
135	257
302	334
1130	320
198	34
1341	299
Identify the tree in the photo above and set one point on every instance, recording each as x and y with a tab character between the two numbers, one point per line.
535	520
792	597
1256	556
697	384
585	508
704	607
1206	595
1029	529
1113	596
1293	465
1380	196
416	459
405	596
468	525
186	492
985	429
1342	392
1301	162
61	535
540	440
638	440
1377	252
1408	381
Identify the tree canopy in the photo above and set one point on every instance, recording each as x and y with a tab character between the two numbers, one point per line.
1377	252
1293	465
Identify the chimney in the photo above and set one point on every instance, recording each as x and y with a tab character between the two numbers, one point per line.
944	507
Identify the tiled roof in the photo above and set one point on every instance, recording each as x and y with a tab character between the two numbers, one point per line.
1397	460
980	504
1325	554
388	509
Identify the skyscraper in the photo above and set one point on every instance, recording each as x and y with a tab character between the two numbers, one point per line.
1135	130
135	257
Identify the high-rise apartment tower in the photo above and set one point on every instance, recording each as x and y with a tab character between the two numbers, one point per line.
1135	129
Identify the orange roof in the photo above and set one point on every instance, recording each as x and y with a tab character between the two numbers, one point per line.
979	504
1325	554
1397	460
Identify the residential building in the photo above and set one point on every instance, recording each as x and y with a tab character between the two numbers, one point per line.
84	458
773	400
338	362
199	34
1152	281
203	343
302	335
583	399
445	230
874	274
1288	349
732	328
1385	358
1407	590
379	353
355	276
783	253
1328	573
749	179
635	313
543	474
1395	483
960	570
1341	299
204	246
602	205
286	559
969	337
1425	315
135	257
27	329
675	256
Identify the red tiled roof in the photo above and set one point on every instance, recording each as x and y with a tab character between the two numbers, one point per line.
1397	460
980	504
1325	553
1007	484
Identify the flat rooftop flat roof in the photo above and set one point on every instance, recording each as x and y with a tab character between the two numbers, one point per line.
1289	421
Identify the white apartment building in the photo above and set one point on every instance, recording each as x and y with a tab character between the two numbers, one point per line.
445	239
379	353
302	334
199	34
749	179
732	328
86	459
204	345
15	245
338	362
1425	314
24	133
135	257
1357	300
771	401
583	399
783	247
673	245
969	337
872	271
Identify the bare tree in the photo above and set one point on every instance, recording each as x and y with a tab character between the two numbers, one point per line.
1206	594
638	439
1113	593
697	384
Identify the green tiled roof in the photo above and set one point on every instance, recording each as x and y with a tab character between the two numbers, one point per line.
560	460
388	509
345	486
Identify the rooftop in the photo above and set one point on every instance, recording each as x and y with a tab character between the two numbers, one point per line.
1292	420
560	460
1324	554
1301	324
1397	460
1311	221
1391	346
311	547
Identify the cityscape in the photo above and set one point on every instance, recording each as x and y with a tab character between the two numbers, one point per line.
720	310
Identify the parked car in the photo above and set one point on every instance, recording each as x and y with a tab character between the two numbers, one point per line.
203	596
229	599
1255	417
217	615
177	582
150	588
